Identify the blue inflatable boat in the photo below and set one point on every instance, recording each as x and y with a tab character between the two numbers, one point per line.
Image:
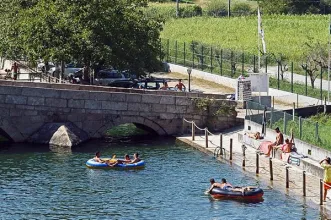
96	165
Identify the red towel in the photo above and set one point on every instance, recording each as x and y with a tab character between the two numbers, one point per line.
264	146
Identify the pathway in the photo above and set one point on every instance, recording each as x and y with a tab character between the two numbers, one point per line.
279	170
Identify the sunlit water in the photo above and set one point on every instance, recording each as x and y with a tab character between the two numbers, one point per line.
40	184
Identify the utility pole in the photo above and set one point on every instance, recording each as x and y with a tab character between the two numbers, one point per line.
229	8
177	8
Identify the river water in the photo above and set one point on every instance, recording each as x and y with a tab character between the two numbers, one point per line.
36	183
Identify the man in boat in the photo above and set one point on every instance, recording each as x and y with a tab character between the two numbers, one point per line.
136	158
99	160
225	185
97	157
214	185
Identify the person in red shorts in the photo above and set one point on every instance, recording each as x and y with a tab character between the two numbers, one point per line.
326	164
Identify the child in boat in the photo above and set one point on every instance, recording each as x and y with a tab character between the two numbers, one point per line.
126	160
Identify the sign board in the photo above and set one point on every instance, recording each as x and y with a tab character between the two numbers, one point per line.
243	89
259	82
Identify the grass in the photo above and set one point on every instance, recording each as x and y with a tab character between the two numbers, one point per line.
297	88
285	34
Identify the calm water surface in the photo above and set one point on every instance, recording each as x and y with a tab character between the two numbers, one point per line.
37	183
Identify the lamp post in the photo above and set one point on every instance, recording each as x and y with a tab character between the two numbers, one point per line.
189	71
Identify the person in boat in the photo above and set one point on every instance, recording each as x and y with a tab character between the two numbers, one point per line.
97	158
225	185
213	185
118	161
326	164
136	158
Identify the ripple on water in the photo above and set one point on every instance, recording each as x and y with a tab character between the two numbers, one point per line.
41	184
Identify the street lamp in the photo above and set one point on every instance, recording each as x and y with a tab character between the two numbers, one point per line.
189	71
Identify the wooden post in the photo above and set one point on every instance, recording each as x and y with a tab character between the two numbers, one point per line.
324	105
193	131
206	137
271	170
257	162
321	192
287	179
221	144
230	148
304	182
273	101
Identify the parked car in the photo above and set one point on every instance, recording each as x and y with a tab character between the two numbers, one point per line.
107	76
153	84
70	69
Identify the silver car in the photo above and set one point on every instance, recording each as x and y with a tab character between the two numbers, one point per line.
107	76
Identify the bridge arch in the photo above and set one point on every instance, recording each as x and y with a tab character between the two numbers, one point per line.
139	121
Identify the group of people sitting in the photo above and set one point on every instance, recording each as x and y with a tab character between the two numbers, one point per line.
278	144
225	186
112	162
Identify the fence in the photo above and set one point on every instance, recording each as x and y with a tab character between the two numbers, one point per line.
233	64
305	129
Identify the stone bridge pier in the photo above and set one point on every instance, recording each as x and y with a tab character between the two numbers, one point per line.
26	107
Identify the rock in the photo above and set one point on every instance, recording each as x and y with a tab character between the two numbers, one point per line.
59	134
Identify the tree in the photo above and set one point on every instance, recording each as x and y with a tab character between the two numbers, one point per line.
91	32
314	60
291	6
281	60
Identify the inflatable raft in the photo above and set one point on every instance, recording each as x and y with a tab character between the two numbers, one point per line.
251	194
96	165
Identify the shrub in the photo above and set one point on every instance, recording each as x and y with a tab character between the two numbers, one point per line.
190	11
216	8
241	9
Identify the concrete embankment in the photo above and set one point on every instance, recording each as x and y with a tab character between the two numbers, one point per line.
279	183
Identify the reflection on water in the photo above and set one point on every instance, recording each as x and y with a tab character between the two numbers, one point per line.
37	183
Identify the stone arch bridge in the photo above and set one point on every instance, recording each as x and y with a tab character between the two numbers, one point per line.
27	106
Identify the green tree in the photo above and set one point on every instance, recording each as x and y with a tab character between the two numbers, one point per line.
91	32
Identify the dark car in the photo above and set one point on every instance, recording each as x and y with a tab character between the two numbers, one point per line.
153	84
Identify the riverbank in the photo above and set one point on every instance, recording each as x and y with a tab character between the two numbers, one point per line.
278	183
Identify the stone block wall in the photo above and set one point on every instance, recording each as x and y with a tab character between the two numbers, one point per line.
24	109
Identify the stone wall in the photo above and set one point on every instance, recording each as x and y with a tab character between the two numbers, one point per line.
25	107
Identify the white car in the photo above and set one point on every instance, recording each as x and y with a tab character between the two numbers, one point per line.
70	69
107	76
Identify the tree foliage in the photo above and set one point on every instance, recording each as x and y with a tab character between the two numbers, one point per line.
296	6
91	32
